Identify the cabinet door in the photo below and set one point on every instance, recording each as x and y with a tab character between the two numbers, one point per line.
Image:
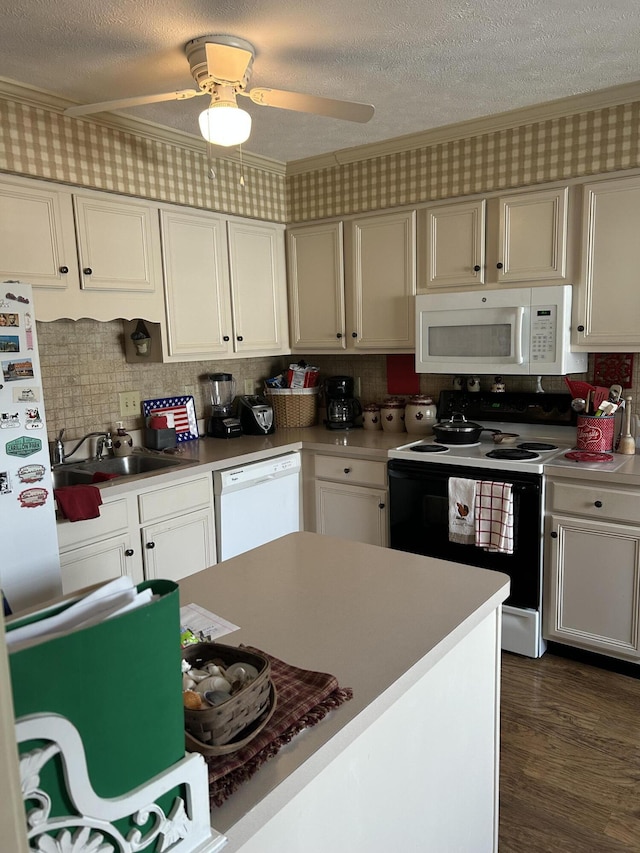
593	586
452	245
179	546
316	287
532	237
115	244
609	296
196	280
258	287
352	512
37	237
100	562
383	282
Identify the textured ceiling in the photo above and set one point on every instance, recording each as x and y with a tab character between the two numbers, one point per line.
422	63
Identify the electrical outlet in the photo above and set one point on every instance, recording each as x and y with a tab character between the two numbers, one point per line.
357	387
249	386
129	403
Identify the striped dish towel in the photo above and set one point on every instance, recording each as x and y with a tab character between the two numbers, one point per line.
494	516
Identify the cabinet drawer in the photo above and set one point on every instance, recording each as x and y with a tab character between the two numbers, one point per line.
344	469
175	498
114	518
594	501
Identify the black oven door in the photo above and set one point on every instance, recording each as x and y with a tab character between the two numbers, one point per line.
419	522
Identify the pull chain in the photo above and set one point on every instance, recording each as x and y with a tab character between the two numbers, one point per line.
211	172
241	167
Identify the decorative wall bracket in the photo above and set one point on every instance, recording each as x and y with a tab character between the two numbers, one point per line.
185	829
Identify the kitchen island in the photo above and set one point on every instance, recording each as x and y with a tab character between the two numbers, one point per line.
411	762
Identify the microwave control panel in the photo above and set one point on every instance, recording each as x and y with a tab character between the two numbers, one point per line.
543	333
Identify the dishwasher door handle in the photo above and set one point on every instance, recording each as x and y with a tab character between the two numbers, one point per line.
262	480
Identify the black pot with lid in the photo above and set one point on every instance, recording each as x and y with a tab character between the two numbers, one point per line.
458	430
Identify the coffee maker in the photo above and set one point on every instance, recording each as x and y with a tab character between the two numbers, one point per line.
221	423
342	407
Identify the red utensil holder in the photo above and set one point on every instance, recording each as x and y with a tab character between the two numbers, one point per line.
595	434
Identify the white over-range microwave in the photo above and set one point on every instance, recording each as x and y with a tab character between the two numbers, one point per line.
523	330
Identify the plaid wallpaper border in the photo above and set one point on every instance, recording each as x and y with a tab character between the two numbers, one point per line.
573	146
42	143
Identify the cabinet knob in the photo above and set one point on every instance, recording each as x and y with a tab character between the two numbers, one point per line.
225	338
239	338
476	268
380	506
554	535
354	334
499	265
597	503
581	328
129	552
347	470
87	271
150	545
338	334
64	270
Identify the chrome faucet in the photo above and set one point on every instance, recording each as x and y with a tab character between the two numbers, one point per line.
58	455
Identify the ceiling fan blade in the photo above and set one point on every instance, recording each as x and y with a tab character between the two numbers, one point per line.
106	106
348	110
227	64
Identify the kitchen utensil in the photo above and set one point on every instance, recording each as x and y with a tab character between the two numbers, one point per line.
627	443
578	404
578	388
505	437
458	430
615	393
599	396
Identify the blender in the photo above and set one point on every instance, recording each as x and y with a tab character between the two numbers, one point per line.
221	423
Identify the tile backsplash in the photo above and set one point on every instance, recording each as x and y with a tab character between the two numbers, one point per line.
84	369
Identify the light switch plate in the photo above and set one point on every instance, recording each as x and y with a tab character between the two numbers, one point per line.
129	403
249	386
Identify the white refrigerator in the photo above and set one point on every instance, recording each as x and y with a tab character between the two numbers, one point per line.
29	562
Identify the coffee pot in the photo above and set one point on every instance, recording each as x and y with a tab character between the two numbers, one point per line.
342	407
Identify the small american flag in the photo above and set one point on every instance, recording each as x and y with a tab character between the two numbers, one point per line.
183	411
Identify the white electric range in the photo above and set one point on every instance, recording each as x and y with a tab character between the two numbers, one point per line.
419	474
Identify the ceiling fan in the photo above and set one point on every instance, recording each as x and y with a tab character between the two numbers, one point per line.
221	65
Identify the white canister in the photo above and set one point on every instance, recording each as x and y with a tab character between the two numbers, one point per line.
392	415
420	415
371	416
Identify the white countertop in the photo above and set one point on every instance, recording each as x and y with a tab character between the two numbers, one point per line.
376	619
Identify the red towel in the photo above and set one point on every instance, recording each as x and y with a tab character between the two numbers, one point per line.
78	503
102	476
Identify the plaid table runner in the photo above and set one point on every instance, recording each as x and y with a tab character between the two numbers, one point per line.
304	698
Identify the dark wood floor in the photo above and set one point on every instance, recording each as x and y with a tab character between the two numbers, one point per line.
570	758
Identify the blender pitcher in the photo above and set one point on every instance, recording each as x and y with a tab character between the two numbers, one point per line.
222	391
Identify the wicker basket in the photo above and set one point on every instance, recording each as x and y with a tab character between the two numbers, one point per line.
294	407
225	728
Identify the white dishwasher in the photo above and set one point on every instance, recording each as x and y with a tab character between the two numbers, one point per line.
256	503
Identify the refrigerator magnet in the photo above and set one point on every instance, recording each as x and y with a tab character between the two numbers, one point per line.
33	419
23	446
15	370
5	483
9	420
31	473
25	395
33	497
9	320
9	343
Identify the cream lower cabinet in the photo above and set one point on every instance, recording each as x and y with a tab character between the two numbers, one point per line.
514	238
100	549
592	585
164	531
177	528
608	295
351	499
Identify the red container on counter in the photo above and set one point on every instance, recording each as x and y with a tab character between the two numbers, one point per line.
594	433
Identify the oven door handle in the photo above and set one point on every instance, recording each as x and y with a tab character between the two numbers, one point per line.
418	472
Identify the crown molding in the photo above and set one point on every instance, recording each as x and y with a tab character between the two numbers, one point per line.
603	98
11	90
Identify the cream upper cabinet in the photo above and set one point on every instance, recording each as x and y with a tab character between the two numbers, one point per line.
116	241
609	294
315	256
196	278
381	284
592	586
88	254
509	239
258	287
37	236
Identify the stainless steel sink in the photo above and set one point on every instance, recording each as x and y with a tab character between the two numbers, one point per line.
75	473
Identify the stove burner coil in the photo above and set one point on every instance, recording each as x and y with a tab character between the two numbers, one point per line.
429	448
537	445
512	453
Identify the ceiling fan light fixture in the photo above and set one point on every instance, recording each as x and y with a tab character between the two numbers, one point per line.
224	123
